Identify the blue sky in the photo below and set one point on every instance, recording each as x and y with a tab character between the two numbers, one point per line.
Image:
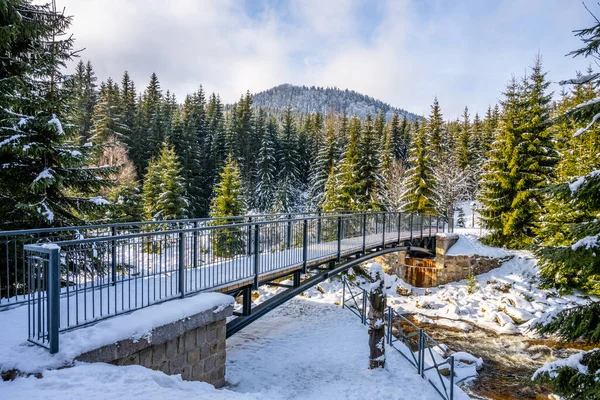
403	52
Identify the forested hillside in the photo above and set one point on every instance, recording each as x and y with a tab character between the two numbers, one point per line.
304	99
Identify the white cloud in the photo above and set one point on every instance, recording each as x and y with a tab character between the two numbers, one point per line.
405	53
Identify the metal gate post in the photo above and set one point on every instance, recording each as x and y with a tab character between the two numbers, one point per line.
181	261
256	254
195	244
113	245
53	299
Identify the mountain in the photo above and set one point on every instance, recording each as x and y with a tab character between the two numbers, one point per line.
312	99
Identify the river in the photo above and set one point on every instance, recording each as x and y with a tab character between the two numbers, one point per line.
509	361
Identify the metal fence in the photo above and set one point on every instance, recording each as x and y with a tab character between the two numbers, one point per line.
417	347
107	275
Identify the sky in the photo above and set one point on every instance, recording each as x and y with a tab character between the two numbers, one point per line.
404	52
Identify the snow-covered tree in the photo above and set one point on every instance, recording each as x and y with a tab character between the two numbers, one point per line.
44	180
452	185
266	185
288	190
163	190
420	196
228	202
574	259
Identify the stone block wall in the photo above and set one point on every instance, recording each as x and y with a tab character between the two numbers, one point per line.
193	347
443	269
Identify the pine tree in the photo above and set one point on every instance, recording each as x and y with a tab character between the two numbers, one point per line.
349	186
152	124
107	121
369	171
288	191
501	175
435	134
521	164
573	261
81	88
420	196
266	186
464	156
325	160
228	202
163	190
43	179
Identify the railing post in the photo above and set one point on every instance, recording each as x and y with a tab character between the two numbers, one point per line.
249	235
390	325
181	261
364	229
451	377
53	299
399	228
422	218
339	239
289	232
256	254
344	291
364	310
195	244
304	245
113	263
411	226
383	232
422	346
430	226
319	227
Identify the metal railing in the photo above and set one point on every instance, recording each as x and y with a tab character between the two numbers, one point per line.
13	269
100	277
417	347
354	298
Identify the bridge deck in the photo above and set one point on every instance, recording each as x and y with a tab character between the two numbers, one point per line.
155	278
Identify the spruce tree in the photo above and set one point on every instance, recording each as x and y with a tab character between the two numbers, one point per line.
435	134
44	180
321	168
420	196
573	260
349	186
81	88
163	190
288	192
228	202
369	171
266	185
464	155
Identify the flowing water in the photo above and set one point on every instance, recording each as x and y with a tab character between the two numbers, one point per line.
509	361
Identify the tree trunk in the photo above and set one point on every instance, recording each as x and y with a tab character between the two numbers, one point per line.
376	314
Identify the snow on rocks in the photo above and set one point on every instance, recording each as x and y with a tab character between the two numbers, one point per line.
505	300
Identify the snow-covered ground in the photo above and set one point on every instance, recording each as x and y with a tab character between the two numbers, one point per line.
309	348
312	349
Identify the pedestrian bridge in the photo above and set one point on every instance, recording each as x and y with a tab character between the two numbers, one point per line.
72	277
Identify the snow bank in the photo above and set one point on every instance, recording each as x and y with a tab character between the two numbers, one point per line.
469	245
16	353
105	381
